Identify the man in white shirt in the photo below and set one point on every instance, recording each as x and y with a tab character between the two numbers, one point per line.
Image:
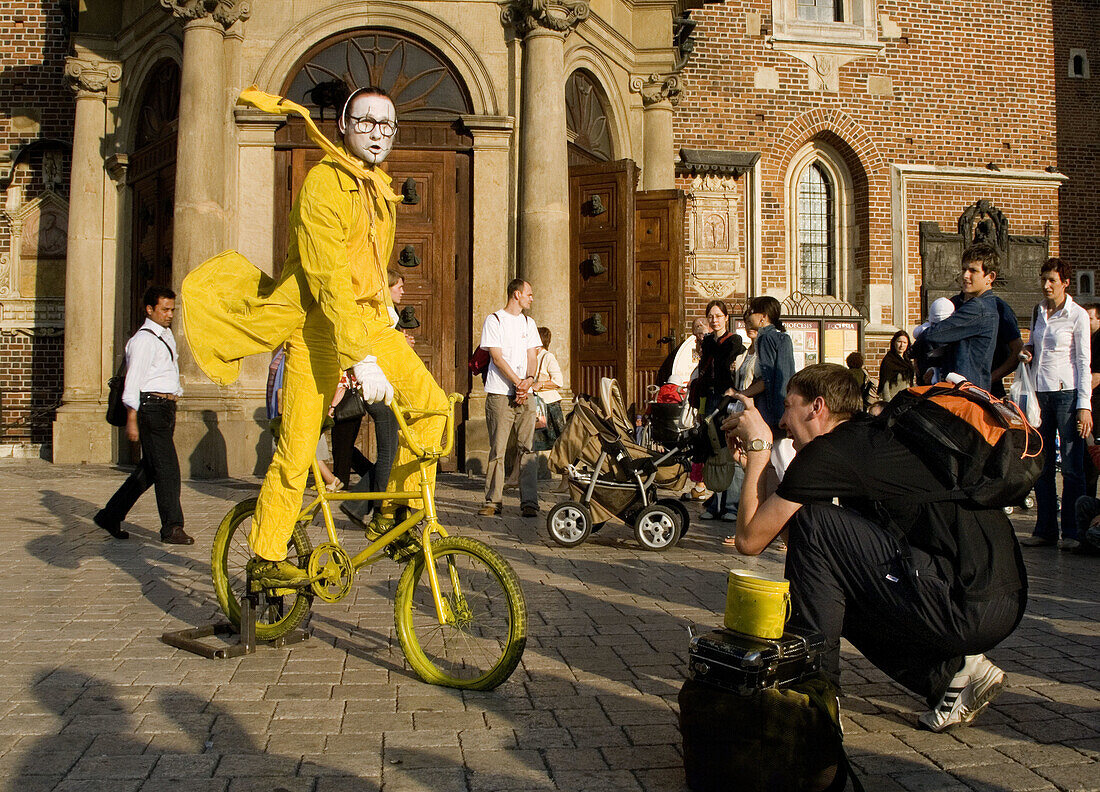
1060	346
512	339
150	393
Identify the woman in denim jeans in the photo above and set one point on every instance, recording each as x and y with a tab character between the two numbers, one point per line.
774	360
1060	351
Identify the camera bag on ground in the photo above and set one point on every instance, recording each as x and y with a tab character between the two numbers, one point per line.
746	664
982	448
116	410
784	739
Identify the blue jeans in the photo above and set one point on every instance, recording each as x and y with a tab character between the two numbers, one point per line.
1058	410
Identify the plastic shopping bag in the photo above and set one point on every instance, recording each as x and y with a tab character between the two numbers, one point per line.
1023	393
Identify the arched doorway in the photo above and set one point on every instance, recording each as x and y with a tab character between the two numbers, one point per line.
152	179
431	150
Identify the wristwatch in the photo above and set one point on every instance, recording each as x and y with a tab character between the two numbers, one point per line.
759	444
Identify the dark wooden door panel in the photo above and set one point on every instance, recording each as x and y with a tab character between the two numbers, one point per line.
658	273
610	235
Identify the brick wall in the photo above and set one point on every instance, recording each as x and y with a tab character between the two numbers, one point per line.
35	104
963	95
1077	26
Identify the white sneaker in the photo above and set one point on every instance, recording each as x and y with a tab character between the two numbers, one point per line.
970	691
706	515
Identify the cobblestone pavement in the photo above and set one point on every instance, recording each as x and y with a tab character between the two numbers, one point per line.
90	699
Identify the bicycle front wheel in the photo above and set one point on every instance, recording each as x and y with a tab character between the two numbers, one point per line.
485	632
275	615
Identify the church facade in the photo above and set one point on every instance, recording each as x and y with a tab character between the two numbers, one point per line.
632	159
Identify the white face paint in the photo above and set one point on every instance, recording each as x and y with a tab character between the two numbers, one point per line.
372	147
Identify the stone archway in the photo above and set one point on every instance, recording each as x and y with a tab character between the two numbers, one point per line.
432	153
152	176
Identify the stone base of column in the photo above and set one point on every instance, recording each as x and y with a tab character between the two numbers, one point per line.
217	439
477	436
81	435
228	439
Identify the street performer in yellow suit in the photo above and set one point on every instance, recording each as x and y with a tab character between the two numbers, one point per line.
329	307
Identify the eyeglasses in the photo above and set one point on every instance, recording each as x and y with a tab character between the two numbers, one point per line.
365	125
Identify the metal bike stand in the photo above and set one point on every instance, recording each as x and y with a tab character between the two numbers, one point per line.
191	638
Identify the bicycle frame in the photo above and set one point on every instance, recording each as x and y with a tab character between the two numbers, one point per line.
426	494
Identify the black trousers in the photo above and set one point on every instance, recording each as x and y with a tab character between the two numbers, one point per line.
378	476
345	456
159	466
848	578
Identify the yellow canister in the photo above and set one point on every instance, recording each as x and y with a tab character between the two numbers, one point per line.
757	605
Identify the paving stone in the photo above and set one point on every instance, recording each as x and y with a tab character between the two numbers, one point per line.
86	682
1074	777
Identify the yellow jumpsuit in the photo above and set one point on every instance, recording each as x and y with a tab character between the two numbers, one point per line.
329	307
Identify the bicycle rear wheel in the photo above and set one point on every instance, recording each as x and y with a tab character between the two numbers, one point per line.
482	642
275	615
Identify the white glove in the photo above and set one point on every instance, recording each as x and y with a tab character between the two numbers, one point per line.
373	380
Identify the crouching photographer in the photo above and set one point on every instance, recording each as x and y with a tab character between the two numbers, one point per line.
922	586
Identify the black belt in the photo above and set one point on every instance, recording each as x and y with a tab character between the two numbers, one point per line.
158	397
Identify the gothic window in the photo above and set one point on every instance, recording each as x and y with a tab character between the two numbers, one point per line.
423	85
586	120
816	232
821	10
820	223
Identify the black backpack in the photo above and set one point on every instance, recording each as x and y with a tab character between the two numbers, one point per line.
982	448
116	410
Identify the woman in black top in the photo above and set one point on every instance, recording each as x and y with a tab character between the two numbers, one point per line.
716	359
896	372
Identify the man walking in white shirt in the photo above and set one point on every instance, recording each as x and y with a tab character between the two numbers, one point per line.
150	393
512	339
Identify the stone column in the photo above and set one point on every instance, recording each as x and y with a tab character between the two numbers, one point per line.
199	226
494	216
543	221
80	433
214	427
659	96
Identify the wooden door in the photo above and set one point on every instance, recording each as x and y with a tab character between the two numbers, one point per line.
658	275
437	229
151	237
608	294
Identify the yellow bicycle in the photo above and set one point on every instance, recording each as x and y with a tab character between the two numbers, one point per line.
459	609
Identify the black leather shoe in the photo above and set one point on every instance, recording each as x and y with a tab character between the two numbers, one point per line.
175	535
356	520
113	528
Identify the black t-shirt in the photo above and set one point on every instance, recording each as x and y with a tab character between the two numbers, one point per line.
861	463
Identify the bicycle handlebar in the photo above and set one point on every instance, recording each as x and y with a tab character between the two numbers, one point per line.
399	410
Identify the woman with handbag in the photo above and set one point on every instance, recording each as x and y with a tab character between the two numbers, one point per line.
550	422
348	410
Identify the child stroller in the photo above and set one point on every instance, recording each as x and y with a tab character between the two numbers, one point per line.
610	475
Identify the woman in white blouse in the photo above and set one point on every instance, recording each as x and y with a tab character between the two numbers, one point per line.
1060	350
548	379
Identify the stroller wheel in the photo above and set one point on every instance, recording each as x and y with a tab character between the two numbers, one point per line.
657	527
569	523
680	510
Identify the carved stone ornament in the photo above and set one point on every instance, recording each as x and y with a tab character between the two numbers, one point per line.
982	222
715	256
656	88
224	12
5	275
91	76
557	15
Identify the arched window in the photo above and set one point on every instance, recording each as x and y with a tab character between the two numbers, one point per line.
816	232
820	223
